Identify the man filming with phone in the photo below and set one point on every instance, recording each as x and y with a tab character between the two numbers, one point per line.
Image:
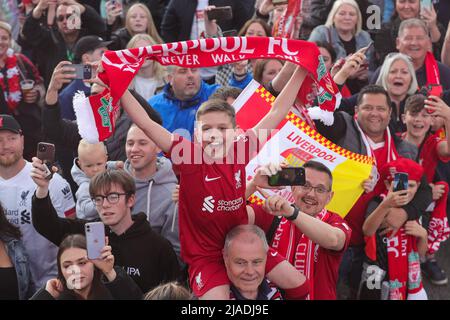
17	189
308	235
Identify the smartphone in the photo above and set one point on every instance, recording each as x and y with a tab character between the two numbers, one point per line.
279	2
95	239
46	153
368	47
220	13
400	181
426	4
288	177
82	71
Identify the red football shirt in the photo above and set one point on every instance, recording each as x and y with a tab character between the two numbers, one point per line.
429	156
212	196
327	262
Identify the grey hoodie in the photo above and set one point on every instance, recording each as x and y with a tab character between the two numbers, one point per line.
85	208
154	198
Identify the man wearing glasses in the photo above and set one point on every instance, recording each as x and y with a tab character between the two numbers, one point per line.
308	235
146	256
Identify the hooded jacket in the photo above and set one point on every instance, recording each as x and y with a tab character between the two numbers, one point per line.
147	257
85	208
178	114
154	198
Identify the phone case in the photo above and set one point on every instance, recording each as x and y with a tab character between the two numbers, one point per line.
46	153
95	239
220	13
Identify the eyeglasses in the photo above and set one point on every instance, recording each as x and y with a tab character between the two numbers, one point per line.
318	190
112	198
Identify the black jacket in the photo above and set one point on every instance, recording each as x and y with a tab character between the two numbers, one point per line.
147	257
122	288
49	46
177	21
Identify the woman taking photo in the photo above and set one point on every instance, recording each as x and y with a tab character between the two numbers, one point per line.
82	279
343	31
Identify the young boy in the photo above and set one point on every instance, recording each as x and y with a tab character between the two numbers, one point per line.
92	159
212	188
392	268
427	120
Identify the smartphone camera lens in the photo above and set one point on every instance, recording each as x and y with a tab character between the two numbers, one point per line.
42	148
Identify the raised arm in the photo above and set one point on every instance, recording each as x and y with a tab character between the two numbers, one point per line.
153	130
283	102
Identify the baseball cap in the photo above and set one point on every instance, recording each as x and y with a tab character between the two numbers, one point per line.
86	44
7	122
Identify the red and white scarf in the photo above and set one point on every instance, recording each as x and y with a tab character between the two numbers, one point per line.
11	89
438	228
405	281
432	70
284	27
121	66
298	248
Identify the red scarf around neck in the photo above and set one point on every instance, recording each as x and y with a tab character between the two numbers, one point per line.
432	70
298	248
11	87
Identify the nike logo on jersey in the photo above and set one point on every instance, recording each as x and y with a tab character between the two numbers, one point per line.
211	179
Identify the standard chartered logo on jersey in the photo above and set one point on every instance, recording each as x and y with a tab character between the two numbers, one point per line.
209	203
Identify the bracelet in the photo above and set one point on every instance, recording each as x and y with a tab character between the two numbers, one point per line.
295	214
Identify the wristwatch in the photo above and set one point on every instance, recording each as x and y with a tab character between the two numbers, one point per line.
295	214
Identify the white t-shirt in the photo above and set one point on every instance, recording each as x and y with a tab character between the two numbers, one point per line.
198	25
146	87
15	195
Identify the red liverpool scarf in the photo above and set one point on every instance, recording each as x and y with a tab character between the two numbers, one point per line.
438	228
433	75
284	27
405	281
120	67
298	248
11	85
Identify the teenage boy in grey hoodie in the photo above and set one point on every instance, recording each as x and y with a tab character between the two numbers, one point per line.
155	181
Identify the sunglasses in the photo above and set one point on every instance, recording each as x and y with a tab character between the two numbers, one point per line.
61	18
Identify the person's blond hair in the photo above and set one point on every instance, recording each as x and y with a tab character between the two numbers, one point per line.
335	8
151	29
7	27
159	71
84	146
169	291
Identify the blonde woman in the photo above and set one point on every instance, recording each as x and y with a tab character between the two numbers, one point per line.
343	31
138	20
151	76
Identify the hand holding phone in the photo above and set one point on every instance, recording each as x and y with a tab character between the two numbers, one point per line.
46	153
288	177
95	239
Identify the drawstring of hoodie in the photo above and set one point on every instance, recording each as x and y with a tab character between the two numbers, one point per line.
175	210
149	192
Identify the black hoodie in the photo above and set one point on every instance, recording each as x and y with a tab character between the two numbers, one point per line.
147	257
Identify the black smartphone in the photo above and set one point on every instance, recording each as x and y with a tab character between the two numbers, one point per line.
400	181
82	71
368	47
288	177
220	13
46	153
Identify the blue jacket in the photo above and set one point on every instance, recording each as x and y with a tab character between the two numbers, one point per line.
177	114
65	98
16	253
240	83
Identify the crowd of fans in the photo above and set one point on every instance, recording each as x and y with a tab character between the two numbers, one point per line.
166	237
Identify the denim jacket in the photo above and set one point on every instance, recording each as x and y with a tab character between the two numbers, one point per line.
16	253
322	33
